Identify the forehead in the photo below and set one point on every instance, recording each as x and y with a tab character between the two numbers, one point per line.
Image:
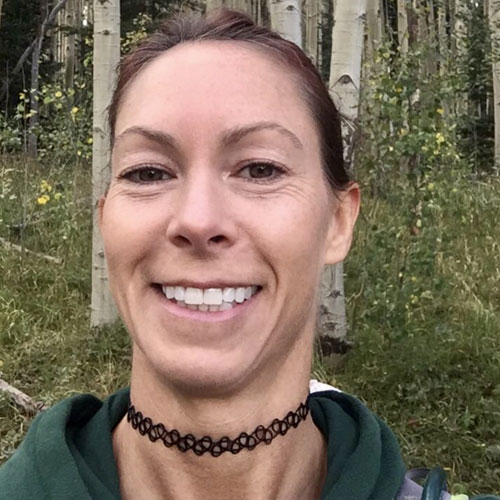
213	83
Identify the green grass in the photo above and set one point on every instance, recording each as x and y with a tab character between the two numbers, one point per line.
425	317
47	348
423	305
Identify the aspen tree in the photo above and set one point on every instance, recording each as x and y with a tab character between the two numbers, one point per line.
69	44
214	4
47	19
34	47
458	34
312	33
286	19
259	12
78	20
432	23
423	27
403	26
458	28
35	84
106	57
345	79
431	36
60	37
494	19
1	7
374	22
243	5
442	36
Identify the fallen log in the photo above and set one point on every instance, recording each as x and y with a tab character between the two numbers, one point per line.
21	399
19	248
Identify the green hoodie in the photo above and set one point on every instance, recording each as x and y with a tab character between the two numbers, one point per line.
68	453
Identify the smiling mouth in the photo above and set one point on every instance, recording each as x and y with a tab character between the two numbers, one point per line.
209	299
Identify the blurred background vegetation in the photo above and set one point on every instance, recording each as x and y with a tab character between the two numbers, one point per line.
423	277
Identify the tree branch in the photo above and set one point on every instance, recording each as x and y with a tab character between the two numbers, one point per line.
18	248
46	25
21	399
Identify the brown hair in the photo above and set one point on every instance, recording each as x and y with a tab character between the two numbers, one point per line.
231	25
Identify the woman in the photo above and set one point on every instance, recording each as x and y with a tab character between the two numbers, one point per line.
228	196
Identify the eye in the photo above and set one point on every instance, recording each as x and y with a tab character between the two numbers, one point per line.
263	171
146	175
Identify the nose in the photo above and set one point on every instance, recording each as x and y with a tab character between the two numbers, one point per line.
201	221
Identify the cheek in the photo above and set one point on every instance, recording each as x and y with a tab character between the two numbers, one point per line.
128	231
293	234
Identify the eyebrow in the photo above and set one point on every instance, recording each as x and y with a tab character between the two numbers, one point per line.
228	137
237	133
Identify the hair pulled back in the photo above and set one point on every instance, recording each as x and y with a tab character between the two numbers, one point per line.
230	25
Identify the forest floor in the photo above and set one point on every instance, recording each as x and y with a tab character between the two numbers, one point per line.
423	298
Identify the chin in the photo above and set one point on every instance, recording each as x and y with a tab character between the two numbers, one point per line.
200	373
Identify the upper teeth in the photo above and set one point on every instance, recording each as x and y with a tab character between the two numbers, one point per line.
208	296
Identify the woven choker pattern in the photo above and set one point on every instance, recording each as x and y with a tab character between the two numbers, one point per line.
206	444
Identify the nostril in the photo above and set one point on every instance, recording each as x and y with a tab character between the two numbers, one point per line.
182	240
217	239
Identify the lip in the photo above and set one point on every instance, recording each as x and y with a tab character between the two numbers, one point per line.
208	316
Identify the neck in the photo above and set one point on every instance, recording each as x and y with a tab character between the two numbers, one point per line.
292	467
288	469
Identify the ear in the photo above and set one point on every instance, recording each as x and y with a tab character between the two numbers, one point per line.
340	231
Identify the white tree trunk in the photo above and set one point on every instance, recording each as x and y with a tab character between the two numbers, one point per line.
69	44
243	5
35	84
374	24
285	19
1	7
345	77
214	4
106	57
345	65
423	26
494	18
432	22
442	37
459	33
77	66
403	26
458	27
312	10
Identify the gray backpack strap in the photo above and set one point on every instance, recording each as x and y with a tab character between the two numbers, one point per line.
410	490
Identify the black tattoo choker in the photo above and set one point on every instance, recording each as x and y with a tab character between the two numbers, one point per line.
206	444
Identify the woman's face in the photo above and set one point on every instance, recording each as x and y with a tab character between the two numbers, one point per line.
218	193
